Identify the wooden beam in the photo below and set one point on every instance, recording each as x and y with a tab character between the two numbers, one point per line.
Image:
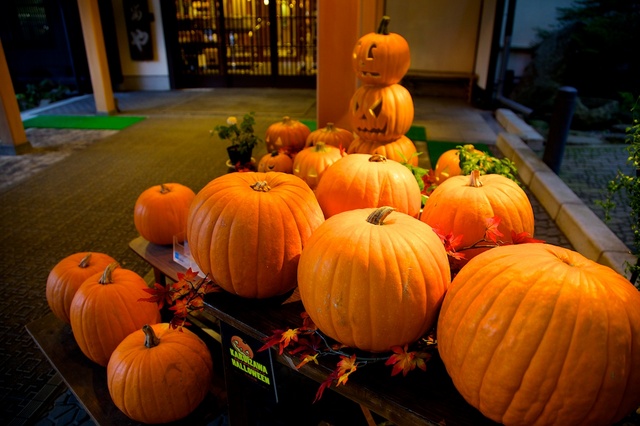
12	132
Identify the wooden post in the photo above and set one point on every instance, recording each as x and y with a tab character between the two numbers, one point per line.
12	133
340	25
97	56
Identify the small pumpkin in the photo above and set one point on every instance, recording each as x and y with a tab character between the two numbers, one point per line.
289	135
247	231
362	180
160	212
381	113
276	161
401	150
381	57
461	205
159	374
373	278
448	164
68	275
330	135
106	309
534	334
311	163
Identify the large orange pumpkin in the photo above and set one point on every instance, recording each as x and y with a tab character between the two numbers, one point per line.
311	163
534	334
400	150
461	205
161	211
363	180
330	135
276	161
106	309
381	113
159	374
247	231
289	135
68	275
373	278
382	57
448	164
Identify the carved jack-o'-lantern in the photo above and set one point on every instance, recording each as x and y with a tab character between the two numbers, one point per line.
381	113
381	58
241	346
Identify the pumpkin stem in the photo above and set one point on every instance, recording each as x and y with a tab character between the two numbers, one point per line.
106	277
475	179
378	216
286	119
164	189
261	186
320	147
377	158
384	26
329	127
275	153
84	263
150	338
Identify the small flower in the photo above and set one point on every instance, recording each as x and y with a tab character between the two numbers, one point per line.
231	121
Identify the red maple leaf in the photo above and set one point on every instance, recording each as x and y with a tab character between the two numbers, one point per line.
159	294
405	361
326	384
523	238
274	339
491	232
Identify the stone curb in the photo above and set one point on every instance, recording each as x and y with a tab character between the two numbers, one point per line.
585	231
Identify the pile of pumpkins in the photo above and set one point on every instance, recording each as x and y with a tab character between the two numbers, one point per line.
529	333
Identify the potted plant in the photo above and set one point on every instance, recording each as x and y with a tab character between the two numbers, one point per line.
242	138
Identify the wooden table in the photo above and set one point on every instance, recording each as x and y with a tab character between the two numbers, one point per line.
417	399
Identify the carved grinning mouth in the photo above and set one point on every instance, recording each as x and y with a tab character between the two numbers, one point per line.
374	130
370	74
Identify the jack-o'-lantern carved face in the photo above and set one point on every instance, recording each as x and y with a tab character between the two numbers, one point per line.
241	346
381	58
381	113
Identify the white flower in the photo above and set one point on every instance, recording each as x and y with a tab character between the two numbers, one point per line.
231	121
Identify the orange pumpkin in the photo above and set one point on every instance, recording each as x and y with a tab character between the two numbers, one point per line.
461	205
311	163
289	135
363	180
330	135
159	374
373	278
247	231
382	57
160	212
276	161
381	113
106	309
534	334
68	275
400	150
448	163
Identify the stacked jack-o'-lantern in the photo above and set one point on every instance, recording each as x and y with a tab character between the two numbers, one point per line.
381	109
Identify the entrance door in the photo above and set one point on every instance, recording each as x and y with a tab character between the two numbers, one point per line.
243	43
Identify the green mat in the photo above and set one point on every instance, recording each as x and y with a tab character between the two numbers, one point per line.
437	148
81	122
415	133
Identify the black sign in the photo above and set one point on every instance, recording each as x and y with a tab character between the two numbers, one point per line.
245	362
138	21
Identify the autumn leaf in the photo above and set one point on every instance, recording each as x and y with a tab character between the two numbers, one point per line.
308	359
326	384
159	294
180	308
288	336
346	366
491	232
308	345
189	275
405	361
272	340
307	322
523	238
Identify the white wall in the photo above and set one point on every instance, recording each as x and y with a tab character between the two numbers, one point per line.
142	75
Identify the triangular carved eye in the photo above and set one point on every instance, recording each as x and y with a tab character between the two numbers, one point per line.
376	108
356	106
370	52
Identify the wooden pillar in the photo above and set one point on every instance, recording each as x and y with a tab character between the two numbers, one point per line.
12	132
97	56
340	25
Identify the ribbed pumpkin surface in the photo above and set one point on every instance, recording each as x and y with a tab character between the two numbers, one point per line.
160	384
373	286
535	334
247	230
